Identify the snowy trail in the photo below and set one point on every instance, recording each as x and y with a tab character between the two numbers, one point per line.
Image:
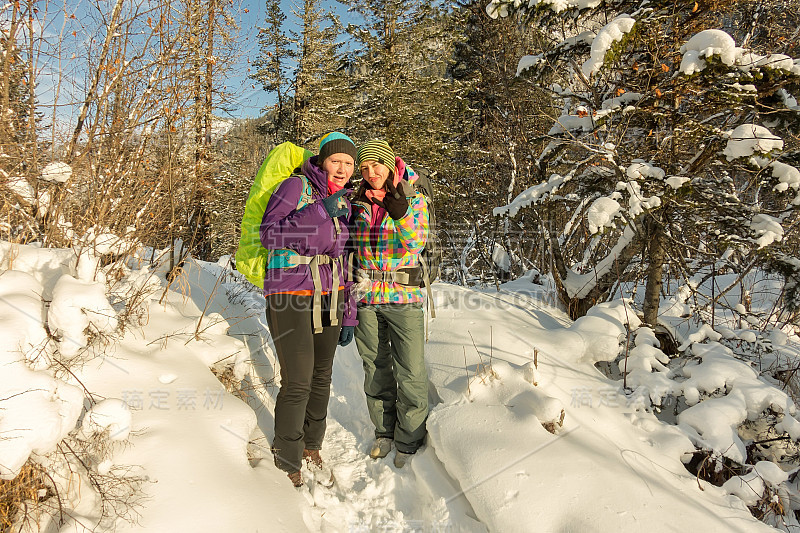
368	495
489	464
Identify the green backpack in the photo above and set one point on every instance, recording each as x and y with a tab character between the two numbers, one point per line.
251	257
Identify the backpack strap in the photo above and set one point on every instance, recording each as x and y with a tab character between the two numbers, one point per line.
408	276
426	278
313	263
306	193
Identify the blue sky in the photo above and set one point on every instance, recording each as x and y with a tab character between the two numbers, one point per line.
248	99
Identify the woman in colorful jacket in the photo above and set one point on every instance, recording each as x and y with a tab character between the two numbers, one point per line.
389	230
308	301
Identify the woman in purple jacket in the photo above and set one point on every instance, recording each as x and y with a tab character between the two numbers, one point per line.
309	307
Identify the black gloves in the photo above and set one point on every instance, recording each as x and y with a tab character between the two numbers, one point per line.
395	201
335	205
346	335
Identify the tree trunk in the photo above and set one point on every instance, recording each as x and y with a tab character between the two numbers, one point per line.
656	252
578	307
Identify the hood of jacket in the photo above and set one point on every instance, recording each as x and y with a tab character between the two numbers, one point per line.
317	176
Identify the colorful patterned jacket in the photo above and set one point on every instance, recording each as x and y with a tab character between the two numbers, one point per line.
381	243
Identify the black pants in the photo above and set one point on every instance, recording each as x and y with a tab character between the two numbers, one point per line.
306	361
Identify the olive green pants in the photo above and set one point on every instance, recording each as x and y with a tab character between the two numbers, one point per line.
390	340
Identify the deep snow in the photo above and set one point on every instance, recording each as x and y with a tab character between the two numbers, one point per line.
199	455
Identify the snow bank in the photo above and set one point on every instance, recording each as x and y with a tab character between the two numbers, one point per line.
517	476
716	420
604	328
22	317
112	415
36	410
187	439
45	265
78	305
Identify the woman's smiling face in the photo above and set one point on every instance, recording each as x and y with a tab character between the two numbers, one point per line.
374	173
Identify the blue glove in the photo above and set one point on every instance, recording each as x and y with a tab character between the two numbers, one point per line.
335	205
346	335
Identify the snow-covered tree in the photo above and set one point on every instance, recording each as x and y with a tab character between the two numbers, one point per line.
674	147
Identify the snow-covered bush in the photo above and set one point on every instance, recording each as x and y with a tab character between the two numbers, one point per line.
726	388
671	169
672	143
743	425
55	317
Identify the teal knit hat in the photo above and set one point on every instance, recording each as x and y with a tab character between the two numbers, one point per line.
335	143
376	150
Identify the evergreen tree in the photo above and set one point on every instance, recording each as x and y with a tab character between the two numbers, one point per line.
400	83
320	79
272	64
500	126
13	87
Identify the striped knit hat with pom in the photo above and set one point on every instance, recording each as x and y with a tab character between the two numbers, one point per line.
376	150
335	143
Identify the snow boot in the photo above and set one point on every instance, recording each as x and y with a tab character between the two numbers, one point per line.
400	458
322	473
381	447
296	478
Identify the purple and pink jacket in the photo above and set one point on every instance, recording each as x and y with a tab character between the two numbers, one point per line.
308	231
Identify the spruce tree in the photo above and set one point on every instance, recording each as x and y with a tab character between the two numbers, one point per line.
500	127
319	78
272	66
401	88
